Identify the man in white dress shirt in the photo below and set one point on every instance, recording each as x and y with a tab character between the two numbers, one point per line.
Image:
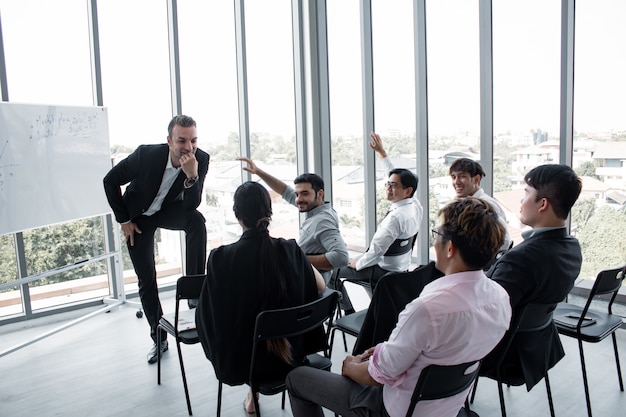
401	222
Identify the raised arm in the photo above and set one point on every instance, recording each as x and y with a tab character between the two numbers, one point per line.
273	182
376	143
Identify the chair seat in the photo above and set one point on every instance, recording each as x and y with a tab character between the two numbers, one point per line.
318	361
351	323
188	336
603	324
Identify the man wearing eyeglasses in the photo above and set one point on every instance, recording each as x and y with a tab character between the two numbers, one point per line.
401	223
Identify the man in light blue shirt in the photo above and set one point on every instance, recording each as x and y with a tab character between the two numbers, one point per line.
319	237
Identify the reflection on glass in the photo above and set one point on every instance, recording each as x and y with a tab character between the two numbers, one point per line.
598	217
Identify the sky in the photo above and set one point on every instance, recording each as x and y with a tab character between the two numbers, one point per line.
47	48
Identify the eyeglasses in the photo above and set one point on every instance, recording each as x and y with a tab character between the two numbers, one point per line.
436	232
393	185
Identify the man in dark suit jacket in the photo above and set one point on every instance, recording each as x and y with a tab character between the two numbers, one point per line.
165	191
541	269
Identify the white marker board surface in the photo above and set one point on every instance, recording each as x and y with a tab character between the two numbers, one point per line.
52	162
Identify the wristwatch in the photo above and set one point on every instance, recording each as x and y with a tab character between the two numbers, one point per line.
189	182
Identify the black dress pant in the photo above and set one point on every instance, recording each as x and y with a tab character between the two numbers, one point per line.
172	217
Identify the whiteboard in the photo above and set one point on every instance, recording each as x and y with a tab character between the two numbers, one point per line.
52	162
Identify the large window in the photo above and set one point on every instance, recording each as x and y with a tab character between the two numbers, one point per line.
136	90
271	101
209	94
526	85
46	46
394	89
344	65
599	218
453	92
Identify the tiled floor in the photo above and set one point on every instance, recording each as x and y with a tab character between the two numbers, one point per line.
98	368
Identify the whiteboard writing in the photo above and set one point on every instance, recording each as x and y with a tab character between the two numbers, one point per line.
52	161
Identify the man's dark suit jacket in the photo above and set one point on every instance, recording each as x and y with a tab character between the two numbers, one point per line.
144	170
393	292
541	269
232	298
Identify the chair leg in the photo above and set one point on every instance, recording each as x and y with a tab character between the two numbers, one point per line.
158	357
282	404
584	369
619	369
501	394
255	398
182	372
549	392
474	391
219	398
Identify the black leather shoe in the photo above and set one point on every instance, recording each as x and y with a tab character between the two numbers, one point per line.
152	355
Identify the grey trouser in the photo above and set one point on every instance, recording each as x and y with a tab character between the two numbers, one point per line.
311	389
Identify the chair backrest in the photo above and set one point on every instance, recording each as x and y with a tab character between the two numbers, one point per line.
438	381
294	321
533	317
607	282
401	246
189	287
393	292
289	322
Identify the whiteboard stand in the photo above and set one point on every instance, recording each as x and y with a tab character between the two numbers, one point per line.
119	292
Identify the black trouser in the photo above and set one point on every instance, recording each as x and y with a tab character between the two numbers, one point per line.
173	217
368	276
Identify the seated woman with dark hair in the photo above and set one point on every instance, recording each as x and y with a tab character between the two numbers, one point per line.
256	273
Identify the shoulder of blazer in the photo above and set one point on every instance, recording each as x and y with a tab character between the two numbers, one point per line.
202	156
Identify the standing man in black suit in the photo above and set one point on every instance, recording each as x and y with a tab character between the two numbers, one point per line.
165	191
541	269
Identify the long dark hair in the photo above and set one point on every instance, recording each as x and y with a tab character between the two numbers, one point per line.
253	207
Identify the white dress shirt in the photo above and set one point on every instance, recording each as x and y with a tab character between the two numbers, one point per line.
402	221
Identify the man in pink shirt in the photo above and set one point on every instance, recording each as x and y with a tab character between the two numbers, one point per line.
458	318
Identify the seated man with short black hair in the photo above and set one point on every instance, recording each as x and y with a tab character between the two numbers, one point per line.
457	318
399	226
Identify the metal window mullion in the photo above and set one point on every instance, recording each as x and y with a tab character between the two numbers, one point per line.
369	165
297	27
320	95
486	92
174	55
567	82
242	83
421	124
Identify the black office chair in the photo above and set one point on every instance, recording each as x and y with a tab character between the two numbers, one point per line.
350	324
531	318
438	381
589	325
181	324
393	292
397	248
282	324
